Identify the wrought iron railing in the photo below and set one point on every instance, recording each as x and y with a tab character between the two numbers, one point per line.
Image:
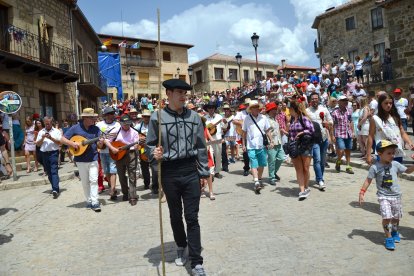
31	46
88	73
138	61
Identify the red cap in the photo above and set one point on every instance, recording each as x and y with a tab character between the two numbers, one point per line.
36	116
397	90
242	107
270	106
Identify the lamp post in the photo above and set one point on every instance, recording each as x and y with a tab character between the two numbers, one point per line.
132	76
190	75
255	42
238	59
178	72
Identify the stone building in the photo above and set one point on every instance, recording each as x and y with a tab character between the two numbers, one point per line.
38	60
221	72
140	57
358	26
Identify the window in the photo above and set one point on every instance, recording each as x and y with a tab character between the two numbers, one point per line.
376	18
352	54
47	104
168	76
380	48
246	75
166	56
199	76
143	79
258	75
269	74
350	23
218	74
233	74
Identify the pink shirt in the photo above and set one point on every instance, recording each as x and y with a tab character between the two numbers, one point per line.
128	137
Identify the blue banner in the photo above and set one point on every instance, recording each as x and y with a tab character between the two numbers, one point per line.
110	68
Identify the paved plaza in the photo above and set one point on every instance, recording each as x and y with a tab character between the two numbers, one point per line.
242	233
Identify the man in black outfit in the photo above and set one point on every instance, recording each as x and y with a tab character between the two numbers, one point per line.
184	167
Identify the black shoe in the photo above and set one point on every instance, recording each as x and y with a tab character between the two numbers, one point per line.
327	165
125	197
219	176
55	194
277	177
146	187
246	173
225	170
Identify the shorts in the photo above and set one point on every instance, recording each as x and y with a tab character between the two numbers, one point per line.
212	170
230	143
307	153
257	157
358	73
344	143
390	207
108	164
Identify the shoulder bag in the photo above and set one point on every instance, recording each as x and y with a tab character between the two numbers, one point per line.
265	140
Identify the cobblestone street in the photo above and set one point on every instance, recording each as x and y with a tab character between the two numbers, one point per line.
242	233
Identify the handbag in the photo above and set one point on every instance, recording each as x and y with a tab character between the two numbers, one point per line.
265	140
291	148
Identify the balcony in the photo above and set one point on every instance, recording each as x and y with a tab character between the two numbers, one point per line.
139	62
21	50
91	82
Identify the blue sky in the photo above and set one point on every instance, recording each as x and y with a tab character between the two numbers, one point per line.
224	27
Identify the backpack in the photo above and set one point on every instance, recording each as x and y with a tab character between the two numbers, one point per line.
317	135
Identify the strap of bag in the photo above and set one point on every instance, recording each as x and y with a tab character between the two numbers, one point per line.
256	124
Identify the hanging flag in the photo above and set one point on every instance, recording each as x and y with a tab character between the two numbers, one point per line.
123	44
107	42
136	45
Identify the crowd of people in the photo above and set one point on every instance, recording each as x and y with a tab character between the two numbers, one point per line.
297	119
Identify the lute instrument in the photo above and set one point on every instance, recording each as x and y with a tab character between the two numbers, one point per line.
122	149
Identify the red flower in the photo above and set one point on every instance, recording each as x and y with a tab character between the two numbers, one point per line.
322	115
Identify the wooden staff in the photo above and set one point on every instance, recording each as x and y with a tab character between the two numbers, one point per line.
160	193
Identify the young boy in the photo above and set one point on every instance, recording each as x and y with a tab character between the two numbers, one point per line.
389	193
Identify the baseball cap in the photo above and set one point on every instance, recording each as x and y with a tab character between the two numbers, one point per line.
397	90
342	98
125	119
385	144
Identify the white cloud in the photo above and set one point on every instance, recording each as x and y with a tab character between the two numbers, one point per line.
226	28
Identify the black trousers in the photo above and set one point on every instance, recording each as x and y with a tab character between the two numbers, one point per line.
224	158
145	169
181	185
246	161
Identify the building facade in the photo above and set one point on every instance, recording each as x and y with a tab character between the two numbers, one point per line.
37	57
360	26
221	72
297	69
140	57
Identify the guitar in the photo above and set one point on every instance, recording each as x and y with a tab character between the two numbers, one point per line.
212	127
123	149
83	144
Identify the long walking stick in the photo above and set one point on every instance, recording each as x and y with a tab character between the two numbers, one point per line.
160	193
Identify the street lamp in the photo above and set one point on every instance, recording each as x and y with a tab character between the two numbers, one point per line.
178	72
190	75
132	76
255	42
238	59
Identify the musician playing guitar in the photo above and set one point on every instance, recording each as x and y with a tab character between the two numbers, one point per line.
212	118
87	162
145	164
129	139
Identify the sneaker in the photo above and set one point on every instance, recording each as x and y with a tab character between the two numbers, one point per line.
322	185
338	165
245	173
88	205
327	165
96	207
181	258
219	176
124	197
262	185
272	182
198	270
349	170
303	195
389	243
257	187
55	194
277	177
396	236
307	191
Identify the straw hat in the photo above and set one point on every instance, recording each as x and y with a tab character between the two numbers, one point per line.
146	112
254	103
89	112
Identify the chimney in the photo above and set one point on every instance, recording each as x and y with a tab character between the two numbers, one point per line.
283	63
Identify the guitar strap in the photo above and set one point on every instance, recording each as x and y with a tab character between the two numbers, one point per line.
117	134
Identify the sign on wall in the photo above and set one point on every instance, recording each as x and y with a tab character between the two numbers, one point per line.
10	102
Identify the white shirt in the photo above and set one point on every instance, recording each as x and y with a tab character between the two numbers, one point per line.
359	93
314	115
337	81
113	128
342	67
49	145
373	105
401	105
214	120
254	137
358	64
